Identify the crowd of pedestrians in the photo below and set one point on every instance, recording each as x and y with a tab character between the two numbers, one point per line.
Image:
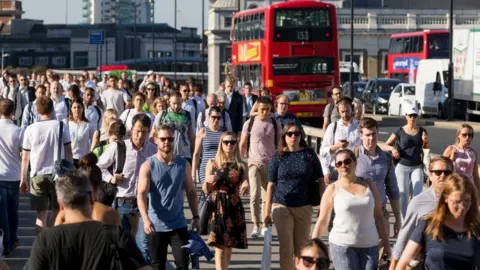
114	160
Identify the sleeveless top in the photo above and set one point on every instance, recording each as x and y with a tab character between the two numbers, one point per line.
209	149
464	161
354	222
165	197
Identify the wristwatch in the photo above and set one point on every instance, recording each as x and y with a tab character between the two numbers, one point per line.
196	217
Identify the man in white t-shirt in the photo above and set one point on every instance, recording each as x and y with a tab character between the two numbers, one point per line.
10	148
40	144
112	98
61	106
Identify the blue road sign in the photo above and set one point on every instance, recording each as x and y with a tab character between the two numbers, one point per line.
97	37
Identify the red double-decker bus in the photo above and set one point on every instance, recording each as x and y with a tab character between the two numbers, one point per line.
291	48
407	49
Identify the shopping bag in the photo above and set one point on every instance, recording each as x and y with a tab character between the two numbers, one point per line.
267	250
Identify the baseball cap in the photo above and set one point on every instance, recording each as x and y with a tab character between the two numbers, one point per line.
411	110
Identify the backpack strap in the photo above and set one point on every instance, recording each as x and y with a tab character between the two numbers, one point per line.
121	156
334	131
250	125
99	112
60	142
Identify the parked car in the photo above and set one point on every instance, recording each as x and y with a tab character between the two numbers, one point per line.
377	93
403	95
358	89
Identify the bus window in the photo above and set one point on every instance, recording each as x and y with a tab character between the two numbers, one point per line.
248	27
302	25
235	29
407	44
256	22
262	25
438	45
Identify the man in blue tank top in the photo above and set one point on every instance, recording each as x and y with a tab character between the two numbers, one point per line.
164	177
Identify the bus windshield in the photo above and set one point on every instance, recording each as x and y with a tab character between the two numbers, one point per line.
438	46
303	66
305	24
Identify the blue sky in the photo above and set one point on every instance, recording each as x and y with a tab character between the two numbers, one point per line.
53	11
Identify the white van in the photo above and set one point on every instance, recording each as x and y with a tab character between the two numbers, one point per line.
431	90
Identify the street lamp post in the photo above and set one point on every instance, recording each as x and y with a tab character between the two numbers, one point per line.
175	42
135	36
450	67
351	49
203	42
152	2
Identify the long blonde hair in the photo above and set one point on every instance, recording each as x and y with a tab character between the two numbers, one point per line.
221	156
453	183
107	119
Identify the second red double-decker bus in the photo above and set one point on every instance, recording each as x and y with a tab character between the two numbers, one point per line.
291	48
407	49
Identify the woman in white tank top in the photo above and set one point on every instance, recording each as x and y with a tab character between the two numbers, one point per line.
358	221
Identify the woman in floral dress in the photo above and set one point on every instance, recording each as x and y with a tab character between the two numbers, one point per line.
225	181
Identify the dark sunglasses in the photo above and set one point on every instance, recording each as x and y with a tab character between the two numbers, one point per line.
232	142
169	139
321	263
291	133
439	172
465	135
412	115
347	162
216	117
186	91
150	89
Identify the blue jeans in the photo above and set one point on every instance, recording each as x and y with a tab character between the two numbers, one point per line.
127	211
350	258
142	242
9	200
405	175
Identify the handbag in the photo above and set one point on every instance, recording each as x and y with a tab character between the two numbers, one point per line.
109	190
313	185
267	250
205	208
62	166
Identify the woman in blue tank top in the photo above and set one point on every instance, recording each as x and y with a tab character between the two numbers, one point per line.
206	143
225	181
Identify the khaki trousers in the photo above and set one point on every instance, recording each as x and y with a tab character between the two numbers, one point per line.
257	180
293	228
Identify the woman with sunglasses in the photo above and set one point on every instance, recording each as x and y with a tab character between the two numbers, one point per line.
289	174
313	256
464	157
406	145
151	95
207	143
449	237
225	181
358	221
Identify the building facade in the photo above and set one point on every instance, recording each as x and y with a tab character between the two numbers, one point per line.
30	43
374	22
9	10
118	11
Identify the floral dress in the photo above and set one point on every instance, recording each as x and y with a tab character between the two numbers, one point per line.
226	225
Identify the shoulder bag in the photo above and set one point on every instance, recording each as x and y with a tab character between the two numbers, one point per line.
62	166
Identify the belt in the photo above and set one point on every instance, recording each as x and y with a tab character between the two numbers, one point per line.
127	200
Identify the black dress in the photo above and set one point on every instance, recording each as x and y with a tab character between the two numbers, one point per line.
226	225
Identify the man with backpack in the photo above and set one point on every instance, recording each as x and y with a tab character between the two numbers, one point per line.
330	113
81	243
137	150
202	120
260	136
30	114
377	165
92	112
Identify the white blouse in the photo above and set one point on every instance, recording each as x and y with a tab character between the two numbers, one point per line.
81	136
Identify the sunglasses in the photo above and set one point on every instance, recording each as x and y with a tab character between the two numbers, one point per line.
439	172
186	91
291	133
465	135
232	142
169	139
150	89
321	263
412	115
216	117
347	162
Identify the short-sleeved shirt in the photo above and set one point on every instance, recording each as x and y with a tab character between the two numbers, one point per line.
411	147
291	173
262	140
180	122
456	252
84	245
334	116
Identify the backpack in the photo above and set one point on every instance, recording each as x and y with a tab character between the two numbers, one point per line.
330	110
109	190
250	125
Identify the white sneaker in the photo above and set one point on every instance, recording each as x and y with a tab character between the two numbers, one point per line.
264	230
255	233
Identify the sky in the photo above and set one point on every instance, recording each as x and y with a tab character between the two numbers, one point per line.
189	14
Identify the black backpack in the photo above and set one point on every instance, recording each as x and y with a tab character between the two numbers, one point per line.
250	125
109	191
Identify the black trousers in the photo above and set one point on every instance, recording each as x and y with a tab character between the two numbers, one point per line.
159	242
